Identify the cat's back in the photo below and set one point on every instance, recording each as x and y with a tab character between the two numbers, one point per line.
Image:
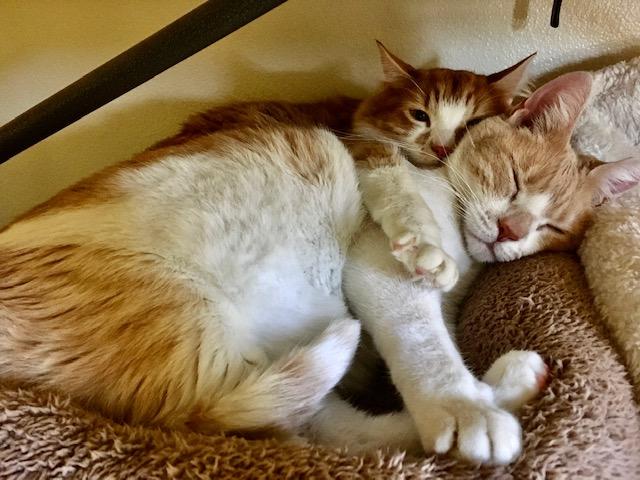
215	175
121	287
215	212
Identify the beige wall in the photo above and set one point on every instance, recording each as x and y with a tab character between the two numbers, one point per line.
305	49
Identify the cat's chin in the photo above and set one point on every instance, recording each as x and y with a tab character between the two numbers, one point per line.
479	250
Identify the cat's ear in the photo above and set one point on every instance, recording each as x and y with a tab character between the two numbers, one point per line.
512	80
555	107
608	180
392	66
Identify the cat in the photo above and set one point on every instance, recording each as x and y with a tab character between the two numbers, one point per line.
521	189
418	114
200	285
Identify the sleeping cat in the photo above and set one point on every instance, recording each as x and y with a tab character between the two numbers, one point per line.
200	285
419	114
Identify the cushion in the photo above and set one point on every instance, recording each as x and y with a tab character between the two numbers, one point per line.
584	425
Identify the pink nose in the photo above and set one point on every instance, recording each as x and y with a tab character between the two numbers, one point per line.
505	233
441	151
514	227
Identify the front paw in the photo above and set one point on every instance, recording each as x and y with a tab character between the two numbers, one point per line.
517	377
424	260
474	430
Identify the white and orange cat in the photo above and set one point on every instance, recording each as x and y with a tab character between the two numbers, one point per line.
202	285
416	114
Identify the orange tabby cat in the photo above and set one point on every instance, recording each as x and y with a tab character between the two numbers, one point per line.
419	114
202	284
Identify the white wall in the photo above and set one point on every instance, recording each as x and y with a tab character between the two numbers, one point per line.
305	49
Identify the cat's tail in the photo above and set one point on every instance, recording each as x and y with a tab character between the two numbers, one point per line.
338	424
285	395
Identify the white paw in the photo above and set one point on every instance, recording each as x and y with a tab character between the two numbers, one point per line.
425	260
476	431
516	377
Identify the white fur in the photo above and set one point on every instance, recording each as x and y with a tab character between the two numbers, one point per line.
534	203
264	251
408	328
394	203
446	120
516	377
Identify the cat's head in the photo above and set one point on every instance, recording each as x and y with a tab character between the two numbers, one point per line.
427	111
522	187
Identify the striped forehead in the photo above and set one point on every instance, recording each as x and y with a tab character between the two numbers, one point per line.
450	114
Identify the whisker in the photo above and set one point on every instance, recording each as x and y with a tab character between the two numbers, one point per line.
460	177
473	144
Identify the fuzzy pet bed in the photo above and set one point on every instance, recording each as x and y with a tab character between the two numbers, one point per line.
585	424
610	129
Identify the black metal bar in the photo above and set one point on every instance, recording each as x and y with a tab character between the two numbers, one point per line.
192	32
555	13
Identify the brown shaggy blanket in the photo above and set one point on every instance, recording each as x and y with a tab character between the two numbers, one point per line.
585	425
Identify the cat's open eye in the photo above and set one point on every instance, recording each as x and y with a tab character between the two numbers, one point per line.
553	228
421	116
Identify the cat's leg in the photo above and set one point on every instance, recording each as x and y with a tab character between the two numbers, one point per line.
339	424
282	396
393	201
450	407
516	377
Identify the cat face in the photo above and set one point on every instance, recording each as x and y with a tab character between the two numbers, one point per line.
427	111
522	187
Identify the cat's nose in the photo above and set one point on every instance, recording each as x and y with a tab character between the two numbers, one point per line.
440	150
505	233
514	227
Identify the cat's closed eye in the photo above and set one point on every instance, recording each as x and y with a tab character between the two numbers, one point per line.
517	186
551	227
421	116
472	122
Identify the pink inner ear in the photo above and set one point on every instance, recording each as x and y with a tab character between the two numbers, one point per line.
570	91
620	186
611	179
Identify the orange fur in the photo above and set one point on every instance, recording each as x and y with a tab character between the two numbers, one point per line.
543	164
387	113
76	316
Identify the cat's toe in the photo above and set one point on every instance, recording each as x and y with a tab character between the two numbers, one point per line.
517	377
438	430
403	242
488	435
474	431
438	268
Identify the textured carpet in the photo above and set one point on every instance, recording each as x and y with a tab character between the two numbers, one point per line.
585	425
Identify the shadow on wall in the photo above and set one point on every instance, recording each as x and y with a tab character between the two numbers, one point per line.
152	120
594	63
160	118
292	85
